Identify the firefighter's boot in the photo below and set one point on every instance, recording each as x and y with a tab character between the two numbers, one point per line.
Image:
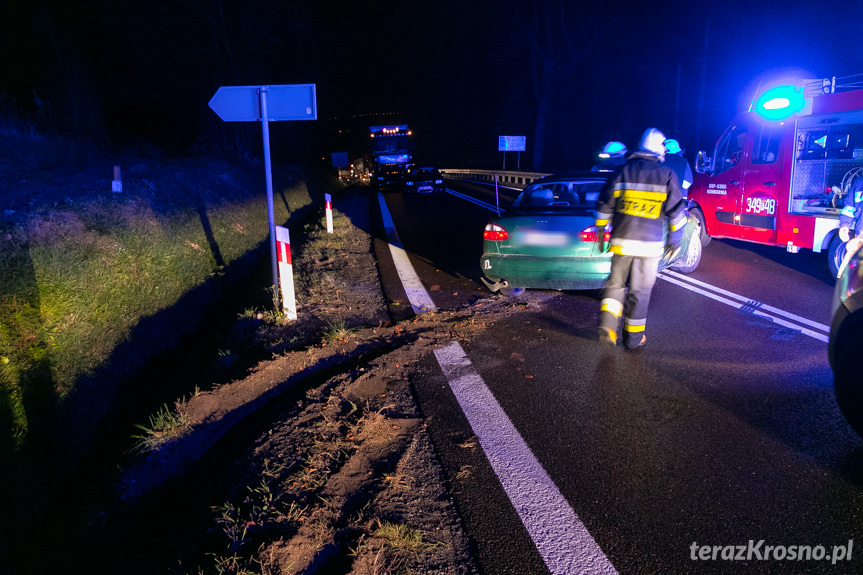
634	340
607	336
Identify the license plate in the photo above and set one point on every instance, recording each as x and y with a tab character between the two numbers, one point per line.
426	188
545	239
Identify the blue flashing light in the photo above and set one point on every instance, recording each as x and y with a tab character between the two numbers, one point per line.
615	148
780	102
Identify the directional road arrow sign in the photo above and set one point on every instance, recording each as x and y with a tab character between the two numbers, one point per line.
267	104
285	102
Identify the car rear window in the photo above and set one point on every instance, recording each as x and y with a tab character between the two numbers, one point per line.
564	194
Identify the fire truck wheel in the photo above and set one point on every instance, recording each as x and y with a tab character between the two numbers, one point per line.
848	376
835	254
705	239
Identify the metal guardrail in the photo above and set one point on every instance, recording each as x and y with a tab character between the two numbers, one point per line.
514	179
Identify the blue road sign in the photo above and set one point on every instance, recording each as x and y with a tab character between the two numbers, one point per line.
285	102
511	143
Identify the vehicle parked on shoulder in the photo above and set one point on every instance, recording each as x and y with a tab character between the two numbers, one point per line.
423	180
845	347
548	239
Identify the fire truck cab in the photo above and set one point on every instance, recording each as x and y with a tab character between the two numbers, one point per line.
779	173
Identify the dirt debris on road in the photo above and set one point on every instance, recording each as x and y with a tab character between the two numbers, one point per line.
345	478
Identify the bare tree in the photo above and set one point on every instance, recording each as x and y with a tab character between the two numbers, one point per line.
559	36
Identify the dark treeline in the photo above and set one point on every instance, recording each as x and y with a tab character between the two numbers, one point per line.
567	76
137	72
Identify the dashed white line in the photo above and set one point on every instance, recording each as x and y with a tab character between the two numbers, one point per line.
560	537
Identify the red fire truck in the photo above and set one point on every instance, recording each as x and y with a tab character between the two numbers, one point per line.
779	173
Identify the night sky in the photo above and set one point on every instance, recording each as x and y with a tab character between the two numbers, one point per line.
140	73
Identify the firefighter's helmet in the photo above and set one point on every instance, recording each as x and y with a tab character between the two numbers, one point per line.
613	150
653	141
672	146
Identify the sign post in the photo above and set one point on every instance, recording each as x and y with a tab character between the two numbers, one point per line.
511	144
267	104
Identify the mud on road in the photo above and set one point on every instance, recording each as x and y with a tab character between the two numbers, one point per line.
319	460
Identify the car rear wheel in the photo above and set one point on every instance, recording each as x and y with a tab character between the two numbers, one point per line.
705	239
848	373
511	291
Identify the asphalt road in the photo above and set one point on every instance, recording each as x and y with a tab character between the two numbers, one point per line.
677	458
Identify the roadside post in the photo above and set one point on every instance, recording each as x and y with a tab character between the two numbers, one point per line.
328	201
117	182
267	104
286	272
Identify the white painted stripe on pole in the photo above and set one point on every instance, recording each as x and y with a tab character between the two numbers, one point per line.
328	208
473	200
560	537
420	299
765	307
751	307
286	272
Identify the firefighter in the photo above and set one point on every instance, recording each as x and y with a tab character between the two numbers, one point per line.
674	159
637	200
612	156
851	217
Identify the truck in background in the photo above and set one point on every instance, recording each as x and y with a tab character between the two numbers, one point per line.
391	150
779	172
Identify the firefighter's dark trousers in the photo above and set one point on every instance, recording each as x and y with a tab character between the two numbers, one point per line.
639	275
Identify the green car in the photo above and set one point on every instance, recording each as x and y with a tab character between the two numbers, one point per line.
845	347
547	239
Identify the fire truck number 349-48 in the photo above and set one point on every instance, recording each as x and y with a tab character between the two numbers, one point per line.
761	205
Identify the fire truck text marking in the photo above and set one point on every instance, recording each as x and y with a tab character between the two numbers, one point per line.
759	205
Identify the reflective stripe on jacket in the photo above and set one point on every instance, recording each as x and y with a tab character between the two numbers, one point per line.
637	200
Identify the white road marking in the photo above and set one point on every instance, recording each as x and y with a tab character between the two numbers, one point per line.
420	299
560	537
770	313
473	200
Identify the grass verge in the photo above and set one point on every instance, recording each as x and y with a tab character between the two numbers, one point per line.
82	268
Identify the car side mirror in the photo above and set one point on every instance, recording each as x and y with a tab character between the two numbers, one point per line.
702	162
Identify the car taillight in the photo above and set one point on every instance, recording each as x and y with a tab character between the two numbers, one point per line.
591	234
495	233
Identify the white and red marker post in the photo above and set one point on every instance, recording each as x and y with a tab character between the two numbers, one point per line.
286	272
328	201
